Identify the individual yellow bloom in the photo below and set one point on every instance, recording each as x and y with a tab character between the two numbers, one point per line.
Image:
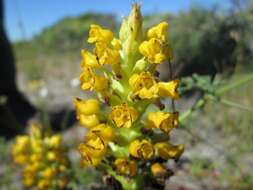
103	131
20	159
98	34
93	147
43	184
90	81
159	31
49	173
163	120
28	181
21	143
107	55
143	85
36	157
116	43
125	166
92	152
89	161
141	149
53	141
169	89
52	155
89	60
154	51
124	115
160	171
167	151
37	145
88	120
86	107
62	183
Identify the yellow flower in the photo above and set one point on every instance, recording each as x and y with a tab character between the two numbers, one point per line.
116	43
53	141
107	55
98	34
103	131
141	149
90	81
169	89
86	107
143	85
125	166
28	181
167	151
154	51
124	115
88	120
163	120
159	31
158	170
20	159
49	173
52	155
43	184
92	152
89	60
93	147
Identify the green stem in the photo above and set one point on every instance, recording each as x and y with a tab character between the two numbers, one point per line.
228	87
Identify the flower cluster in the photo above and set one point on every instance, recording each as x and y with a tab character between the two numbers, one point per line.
126	129
43	159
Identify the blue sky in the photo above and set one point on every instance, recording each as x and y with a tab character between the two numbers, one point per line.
38	14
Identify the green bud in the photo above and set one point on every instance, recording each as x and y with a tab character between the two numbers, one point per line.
140	66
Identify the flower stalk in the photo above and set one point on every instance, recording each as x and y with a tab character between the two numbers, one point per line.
126	139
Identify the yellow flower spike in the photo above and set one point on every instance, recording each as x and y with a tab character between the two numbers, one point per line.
89	60
143	85
88	120
124	115
86	107
158	170
167	151
103	131
154	51
125	166
90	81
141	149
98	34
169	89
159	31
163	120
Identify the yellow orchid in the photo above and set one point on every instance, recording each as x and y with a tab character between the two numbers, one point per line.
103	131
143	85
169	89
90	81
159	31
158	170
98	34
163	120
89	60
124	115
167	151
88	120
86	107
125	166
154	51
141	149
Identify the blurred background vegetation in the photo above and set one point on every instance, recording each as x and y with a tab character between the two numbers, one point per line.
217	45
